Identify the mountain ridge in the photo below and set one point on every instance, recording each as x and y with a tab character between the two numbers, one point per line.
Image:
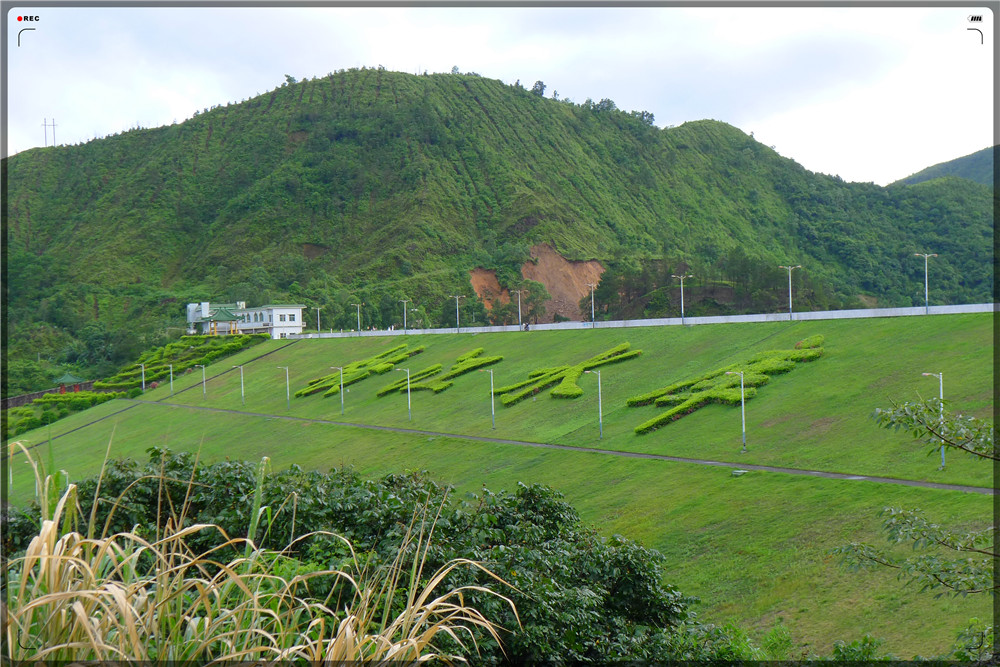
370	186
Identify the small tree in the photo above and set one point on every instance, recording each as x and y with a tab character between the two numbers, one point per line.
534	301
538	89
960	563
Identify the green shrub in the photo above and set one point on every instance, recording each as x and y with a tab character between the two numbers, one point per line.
719	387
566	376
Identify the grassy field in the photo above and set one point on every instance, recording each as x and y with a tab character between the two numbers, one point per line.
754	548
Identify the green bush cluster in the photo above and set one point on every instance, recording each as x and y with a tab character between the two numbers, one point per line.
580	597
566	376
358	370
182	354
49	408
717	387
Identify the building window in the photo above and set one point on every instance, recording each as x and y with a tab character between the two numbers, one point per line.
291	318
281	318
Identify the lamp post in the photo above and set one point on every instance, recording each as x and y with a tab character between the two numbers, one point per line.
339	368
493	417
404	302
318	329
456	298
940	377
743	412
171	379
592	286
790	268
288	390
600	410
927	306
518	292
682	277
143	377
358	305
242	397
409	412
203	391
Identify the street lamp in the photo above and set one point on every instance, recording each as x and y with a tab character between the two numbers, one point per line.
404	302
940	377
518	292
171	379
493	413
790	268
592	286
927	307
318	329
600	411
456	298
143	378
339	368
242	397
409	412
288	390
743	412
358	305
686	275
202	378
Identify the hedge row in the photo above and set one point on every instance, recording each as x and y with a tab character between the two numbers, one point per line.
358	370
726	395
400	384
718	387
182	354
54	407
566	376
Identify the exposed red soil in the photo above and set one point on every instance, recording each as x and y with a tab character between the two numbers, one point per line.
487	288
565	281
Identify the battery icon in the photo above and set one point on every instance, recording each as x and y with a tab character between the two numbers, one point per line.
976	18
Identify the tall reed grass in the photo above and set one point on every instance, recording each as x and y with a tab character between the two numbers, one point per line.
127	597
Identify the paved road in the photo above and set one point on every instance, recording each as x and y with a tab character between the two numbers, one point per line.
593	450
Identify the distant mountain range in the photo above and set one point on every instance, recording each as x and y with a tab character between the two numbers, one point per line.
372	186
976	167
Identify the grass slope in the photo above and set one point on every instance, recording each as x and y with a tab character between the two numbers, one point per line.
753	547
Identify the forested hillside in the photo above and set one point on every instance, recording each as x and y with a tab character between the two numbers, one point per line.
369	185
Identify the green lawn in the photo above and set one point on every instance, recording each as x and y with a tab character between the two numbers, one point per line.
752	547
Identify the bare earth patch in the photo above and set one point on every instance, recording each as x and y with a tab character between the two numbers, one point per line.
484	282
566	281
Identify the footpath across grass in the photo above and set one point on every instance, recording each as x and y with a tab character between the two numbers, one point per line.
753	547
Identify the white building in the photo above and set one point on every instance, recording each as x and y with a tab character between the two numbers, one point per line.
216	319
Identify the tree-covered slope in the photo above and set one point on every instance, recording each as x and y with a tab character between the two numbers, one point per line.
369	185
976	167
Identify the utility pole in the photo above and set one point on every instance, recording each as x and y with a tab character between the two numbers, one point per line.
456	298
404	302
46	125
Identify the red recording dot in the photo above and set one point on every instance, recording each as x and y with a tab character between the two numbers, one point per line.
20	18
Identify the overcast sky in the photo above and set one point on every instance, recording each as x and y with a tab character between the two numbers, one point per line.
870	94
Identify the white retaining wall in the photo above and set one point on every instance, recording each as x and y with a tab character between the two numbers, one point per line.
670	321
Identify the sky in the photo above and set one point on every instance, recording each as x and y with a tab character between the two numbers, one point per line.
865	93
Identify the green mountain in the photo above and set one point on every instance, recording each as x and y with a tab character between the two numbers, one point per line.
976	167
369	185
